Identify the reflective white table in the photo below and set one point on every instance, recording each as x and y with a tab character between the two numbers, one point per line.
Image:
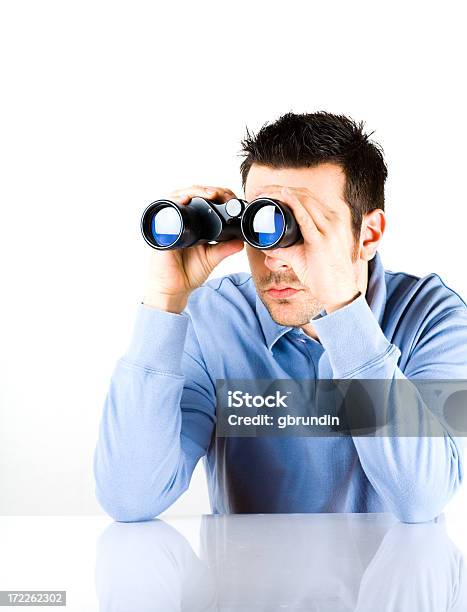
313	562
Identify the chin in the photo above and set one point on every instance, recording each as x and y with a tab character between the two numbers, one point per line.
285	313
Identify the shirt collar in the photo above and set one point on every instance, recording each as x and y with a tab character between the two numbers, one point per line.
375	296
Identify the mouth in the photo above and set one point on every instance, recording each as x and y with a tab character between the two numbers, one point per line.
282	292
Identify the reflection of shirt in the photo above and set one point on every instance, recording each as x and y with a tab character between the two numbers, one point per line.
325	562
159	415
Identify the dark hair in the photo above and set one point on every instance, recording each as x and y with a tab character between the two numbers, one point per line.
306	140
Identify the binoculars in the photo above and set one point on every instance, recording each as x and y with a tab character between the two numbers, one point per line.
264	223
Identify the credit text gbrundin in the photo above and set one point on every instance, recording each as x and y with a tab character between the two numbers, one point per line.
239	399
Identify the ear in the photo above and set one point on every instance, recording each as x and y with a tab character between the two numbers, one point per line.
373	226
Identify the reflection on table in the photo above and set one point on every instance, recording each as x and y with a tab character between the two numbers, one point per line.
313	562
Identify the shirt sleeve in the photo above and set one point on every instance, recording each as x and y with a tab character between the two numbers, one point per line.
415	475
157	420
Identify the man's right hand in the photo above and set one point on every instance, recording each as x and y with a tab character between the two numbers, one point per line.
174	274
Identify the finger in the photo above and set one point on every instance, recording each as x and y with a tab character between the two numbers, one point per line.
306	222
222	193
210	192
184	195
321	216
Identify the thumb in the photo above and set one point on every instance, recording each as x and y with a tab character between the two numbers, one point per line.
215	253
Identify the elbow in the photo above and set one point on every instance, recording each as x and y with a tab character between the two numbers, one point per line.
127	504
128	511
414	513
130	498
426	500
421	506
120	498
131	515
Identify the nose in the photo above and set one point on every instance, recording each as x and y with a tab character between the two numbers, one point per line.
274	262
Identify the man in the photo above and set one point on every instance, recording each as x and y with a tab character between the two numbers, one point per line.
322	309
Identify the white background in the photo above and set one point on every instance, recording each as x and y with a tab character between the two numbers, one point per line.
107	106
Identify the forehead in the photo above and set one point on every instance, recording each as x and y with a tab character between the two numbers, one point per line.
325	181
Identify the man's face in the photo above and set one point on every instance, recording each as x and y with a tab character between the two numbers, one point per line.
287	300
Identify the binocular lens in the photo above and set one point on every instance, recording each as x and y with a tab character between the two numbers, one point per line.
166	226
267	225
169	225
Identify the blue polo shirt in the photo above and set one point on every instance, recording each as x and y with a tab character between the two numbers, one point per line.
159	417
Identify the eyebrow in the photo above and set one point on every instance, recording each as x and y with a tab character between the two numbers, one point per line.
277	188
266	187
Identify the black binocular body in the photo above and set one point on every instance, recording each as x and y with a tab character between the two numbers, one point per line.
264	223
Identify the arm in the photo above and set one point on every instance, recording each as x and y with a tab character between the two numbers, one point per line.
415	476
157	421
159	411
